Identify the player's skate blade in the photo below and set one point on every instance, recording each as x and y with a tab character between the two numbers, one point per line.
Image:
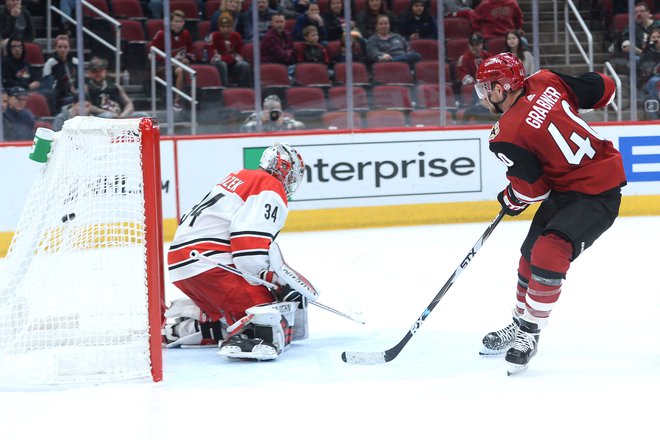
488	352
515	368
240	347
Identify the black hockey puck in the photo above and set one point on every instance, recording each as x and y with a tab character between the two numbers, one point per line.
67	217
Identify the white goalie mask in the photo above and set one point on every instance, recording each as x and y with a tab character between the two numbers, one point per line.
284	163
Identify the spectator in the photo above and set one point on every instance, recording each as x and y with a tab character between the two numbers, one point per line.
59	74
644	22
272	118
16	117
334	20
71	111
182	50
494	18
462	9
467	64
311	51
358	46
417	22
293	8
387	46
231	7
224	49
16	21
366	20
311	17
515	45
108	99
6	129
15	70
277	44
649	66
264	15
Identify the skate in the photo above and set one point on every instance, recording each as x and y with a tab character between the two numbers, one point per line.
524	348
242	347
498	342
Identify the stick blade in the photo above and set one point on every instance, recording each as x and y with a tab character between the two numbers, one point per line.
364	358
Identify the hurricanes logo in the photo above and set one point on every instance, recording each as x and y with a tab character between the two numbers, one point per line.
494	131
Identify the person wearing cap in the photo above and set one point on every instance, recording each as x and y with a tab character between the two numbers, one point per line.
17	117
272	118
418	22
71	111
224	50
468	62
109	100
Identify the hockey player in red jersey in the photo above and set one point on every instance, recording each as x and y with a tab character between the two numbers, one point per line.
235	225
554	157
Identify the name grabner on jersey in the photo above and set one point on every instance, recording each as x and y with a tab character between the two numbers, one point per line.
542	106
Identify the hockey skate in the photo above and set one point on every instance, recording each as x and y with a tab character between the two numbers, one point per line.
524	348
498	342
243	347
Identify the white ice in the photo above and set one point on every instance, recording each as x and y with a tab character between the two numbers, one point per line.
596	375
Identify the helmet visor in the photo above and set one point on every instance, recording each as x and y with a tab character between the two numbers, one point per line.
483	90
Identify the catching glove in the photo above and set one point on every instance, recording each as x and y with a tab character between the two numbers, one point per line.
510	203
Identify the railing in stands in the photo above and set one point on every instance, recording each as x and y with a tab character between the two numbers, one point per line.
608	69
588	56
117	26
155	79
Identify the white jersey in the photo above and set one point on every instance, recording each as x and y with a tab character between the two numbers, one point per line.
234	224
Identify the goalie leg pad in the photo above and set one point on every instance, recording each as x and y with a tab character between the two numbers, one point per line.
287	275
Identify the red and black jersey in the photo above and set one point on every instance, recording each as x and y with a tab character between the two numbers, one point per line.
547	146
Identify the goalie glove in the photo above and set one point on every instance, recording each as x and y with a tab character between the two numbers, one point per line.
511	204
268	276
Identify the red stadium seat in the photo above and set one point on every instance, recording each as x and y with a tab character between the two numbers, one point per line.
239	99
457	27
391	97
305	99
428	49
126	9
428	96
385	119
312	74
38	105
456	48
392	72
337	99
360	75
428	118
339	120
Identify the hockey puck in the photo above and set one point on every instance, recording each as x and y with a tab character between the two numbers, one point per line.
67	217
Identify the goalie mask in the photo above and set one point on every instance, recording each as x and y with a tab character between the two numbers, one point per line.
284	163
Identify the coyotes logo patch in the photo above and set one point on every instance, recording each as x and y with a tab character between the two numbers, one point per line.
494	131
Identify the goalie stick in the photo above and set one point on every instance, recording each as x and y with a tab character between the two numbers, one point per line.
373	358
197	255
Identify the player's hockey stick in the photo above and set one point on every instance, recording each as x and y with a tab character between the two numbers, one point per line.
372	358
197	255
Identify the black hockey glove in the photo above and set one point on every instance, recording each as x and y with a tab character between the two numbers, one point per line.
286	293
510	203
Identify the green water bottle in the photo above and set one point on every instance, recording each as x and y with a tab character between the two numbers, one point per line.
43	139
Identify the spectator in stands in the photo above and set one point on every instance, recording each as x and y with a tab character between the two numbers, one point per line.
6	129
231	7
334	20
515	46
71	111
272	118
16	21
277	44
264	13
367	19
59	75
311	17
417	22
359	47
108	99
224	49
387	46
16	117
15	70
462	9
649	67
497	17
182	50
644	22
293	8
469	61
311	51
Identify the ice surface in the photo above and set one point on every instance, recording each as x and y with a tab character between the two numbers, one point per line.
596	376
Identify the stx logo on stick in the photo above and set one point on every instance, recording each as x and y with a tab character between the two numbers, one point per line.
468	258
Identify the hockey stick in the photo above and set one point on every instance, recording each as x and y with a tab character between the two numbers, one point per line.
373	358
196	255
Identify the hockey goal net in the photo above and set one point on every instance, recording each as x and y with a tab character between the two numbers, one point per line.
81	286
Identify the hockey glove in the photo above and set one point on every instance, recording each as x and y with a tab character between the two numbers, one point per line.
287	294
268	276
510	203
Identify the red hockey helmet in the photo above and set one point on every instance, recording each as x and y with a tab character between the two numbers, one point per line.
504	68
285	164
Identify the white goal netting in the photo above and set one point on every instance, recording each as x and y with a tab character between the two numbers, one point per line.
74	302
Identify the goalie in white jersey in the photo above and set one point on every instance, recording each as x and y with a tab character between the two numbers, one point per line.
235	225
